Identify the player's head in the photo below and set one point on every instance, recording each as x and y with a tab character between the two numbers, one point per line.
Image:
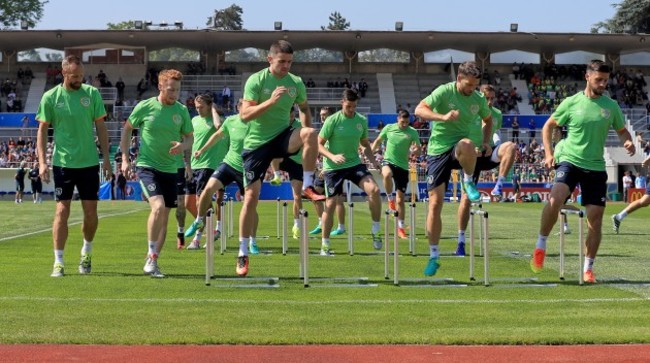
280	58
349	102
324	113
490	94
73	72
597	76
469	77
169	85
403	119
203	104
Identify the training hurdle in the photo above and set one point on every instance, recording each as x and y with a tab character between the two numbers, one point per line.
230	218
387	214
563	217
483	240
209	247
224	228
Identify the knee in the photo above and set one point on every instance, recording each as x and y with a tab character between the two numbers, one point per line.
465	147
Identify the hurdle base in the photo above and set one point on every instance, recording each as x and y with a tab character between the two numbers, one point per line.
247	282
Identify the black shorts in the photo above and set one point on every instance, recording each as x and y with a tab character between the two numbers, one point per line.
400	177
37	187
334	178
319	183
226	174
199	180
154	182
257	161
181	182
85	179
483	163
592	183
439	168
20	186
292	168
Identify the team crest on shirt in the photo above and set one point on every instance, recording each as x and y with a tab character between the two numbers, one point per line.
267	91
292	92
474	109
177	119
85	101
451	106
359	127
605	113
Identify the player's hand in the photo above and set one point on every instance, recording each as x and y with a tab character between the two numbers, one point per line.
646	162
198	153
487	149
126	169
549	161
188	172
108	173
277	93
338	159
44	172
629	147
177	148
452	115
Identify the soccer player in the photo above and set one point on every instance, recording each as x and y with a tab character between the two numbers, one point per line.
72	109
269	96
205	125
639	203
453	108
339	141
232	134
400	139
588	116
502	157
20	181
37	184
163	123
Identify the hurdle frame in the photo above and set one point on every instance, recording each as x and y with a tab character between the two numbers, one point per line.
563	219
387	214
484	237
224	229
209	247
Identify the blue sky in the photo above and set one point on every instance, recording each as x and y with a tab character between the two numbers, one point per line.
439	15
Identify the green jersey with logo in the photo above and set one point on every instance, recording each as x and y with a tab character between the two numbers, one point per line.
445	98
588	122
296	124
271	123
235	131
72	115
343	135
476	130
203	130
160	125
398	142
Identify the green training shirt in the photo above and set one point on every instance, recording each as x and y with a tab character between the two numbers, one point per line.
588	122
203	129
476	130
160	125
445	98
235	131
398	143
343	135
72	115
271	123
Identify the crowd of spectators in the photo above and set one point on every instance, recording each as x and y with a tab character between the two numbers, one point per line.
14	151
361	86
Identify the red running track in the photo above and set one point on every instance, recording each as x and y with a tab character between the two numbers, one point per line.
324	353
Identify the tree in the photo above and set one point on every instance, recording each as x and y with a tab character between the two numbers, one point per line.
123	25
227	19
337	22
632	16
12	12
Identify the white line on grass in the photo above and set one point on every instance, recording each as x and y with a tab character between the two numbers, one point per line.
326	302
71	224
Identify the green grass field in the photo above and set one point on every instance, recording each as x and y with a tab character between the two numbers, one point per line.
117	304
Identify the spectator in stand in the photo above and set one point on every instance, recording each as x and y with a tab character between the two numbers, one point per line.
120	88
310	83
226	93
141	87
532	129
628	183
515	130
363	87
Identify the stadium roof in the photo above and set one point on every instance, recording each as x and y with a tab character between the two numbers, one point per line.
353	40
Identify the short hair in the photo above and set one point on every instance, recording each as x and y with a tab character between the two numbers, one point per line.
350	95
69	60
205	98
485	88
597	65
470	69
166	74
403	113
281	46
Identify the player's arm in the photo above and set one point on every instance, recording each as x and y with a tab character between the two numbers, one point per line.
127	130
487	134
102	136
337	158
376	144
416	149
216	118
367	151
424	111
41	147
305	114
214	138
547	139
626	139
250	109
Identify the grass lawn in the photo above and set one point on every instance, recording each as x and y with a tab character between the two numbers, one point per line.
117	304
